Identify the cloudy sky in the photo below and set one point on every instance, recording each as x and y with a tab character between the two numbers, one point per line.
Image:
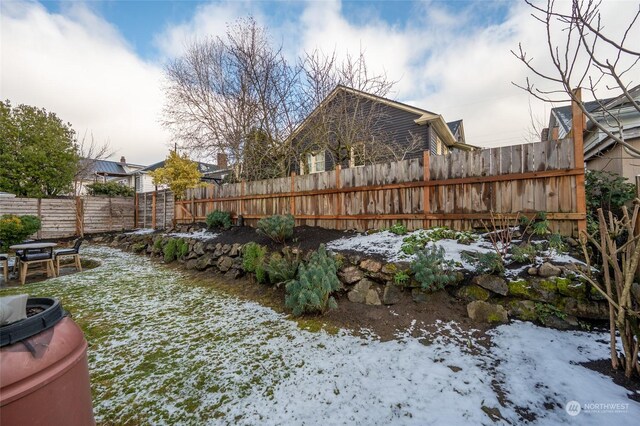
99	64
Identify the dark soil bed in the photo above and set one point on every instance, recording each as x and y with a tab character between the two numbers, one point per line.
384	321
603	366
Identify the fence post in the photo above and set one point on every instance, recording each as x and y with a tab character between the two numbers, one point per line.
154	196
292	199
135	211
578	153
426	202
242	205
144	215
39	233
79	217
339	196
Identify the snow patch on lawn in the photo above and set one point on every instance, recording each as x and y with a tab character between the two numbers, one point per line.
167	349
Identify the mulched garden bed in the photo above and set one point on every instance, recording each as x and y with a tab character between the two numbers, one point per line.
603	366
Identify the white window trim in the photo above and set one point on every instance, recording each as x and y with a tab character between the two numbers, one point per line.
314	160
352	159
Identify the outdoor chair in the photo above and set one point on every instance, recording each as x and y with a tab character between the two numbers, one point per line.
29	257
4	261
70	252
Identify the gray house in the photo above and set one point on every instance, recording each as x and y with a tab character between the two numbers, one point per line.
600	151
354	128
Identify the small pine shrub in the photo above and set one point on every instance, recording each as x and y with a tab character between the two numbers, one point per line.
182	247
311	291
253	260
485	263
282	269
218	219
170	250
138	247
431	269
277	227
398	229
525	253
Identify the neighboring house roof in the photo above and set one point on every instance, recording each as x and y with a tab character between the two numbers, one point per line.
202	167
454	126
110	168
594	142
562	115
424	116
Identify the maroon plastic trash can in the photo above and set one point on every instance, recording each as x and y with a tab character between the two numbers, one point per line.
44	375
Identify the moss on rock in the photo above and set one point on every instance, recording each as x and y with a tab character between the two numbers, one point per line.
473	292
575	289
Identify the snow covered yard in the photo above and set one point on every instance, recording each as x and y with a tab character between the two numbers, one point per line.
168	349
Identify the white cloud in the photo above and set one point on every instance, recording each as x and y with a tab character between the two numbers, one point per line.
78	66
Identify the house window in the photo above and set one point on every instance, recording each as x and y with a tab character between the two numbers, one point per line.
357	155
315	162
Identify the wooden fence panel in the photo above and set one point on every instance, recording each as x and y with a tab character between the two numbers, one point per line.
162	206
67	217
463	189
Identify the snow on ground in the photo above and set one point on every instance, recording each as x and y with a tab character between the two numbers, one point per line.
388	245
142	231
167	349
202	234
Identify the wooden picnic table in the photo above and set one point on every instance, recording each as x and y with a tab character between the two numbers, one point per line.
24	263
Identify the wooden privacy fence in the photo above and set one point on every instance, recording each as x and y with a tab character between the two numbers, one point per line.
155	209
459	190
67	217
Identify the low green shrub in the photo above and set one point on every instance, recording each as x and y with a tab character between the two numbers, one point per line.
253	260
182	248
525	253
110	189
311	290
544	312
157	245
15	229
277	227
556	243
401	278
283	268
538	225
138	247
485	263
419	239
398	229
218	219
431	269
170	250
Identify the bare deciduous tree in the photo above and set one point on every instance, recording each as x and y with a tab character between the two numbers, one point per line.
89	151
225	89
583	53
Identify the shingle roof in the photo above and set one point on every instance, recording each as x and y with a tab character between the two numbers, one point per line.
454	125
107	167
563	113
202	167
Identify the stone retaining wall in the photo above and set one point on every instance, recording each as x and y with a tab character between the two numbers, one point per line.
549	294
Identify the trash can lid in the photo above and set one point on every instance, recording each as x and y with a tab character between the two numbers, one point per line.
52	314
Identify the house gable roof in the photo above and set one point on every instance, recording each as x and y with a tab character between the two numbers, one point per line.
424	116
109	168
202	167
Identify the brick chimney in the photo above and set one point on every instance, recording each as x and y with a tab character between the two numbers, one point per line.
123	160
222	160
